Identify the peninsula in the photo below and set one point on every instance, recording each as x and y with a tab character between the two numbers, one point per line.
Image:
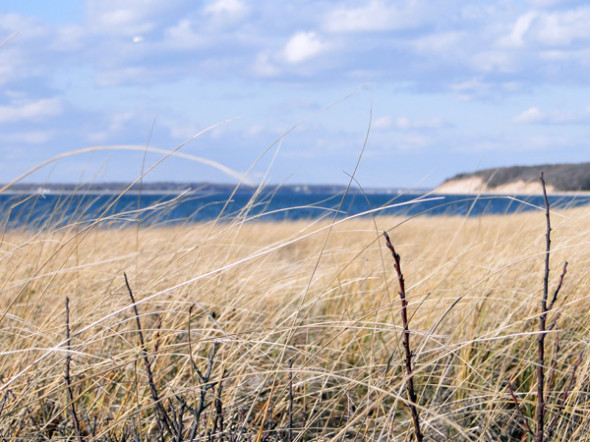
560	178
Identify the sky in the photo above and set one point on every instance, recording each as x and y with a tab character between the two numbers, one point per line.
291	91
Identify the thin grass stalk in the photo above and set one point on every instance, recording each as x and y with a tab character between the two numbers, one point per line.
408	360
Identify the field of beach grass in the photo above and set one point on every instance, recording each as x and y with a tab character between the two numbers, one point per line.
293	330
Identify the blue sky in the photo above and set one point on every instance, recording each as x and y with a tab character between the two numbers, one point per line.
445	87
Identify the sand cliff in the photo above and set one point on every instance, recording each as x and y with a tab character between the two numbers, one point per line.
476	185
522	180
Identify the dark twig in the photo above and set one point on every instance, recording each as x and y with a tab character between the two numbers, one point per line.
218	422
67	374
164	421
524	421
409	373
206	385
158	335
290	400
564	396
4	399
180	421
554	322
571	382
558	288
542	324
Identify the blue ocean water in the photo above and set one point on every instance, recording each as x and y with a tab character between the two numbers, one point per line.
57	210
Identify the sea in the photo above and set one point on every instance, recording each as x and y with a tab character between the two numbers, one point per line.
42	210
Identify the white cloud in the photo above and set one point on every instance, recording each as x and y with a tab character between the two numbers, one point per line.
531	115
407	141
543	3
31	137
27	28
254	130
127	17
489	61
119	75
121	21
69	38
264	67
441	43
521	27
580	58
180	131
230	7
472	88
31	110
404	123
119	120
116	123
382	123
376	16
183	36
302	46
534	115
562	28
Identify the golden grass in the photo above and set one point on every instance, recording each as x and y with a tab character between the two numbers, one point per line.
323	297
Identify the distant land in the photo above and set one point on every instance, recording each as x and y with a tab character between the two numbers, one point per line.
559	178
170	187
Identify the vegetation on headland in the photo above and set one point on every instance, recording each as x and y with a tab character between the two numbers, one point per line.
561	177
292	331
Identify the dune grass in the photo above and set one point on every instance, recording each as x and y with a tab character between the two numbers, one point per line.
292	330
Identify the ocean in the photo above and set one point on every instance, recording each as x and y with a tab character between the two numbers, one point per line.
50	210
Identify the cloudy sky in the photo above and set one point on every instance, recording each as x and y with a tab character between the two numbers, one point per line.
293	86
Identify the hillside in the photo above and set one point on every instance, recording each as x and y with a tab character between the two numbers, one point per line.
520	179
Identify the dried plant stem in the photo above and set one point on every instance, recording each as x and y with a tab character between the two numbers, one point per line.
558	288
290	400
408	360
564	396
542	324
163	418
218	402
206	385
67	374
572	378
519	409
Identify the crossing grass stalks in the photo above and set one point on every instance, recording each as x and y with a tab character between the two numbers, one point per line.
249	334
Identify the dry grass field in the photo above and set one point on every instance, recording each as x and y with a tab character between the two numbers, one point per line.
292	330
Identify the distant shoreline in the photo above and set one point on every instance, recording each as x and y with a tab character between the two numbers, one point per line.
173	188
471	186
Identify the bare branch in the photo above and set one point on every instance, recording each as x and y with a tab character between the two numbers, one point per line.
558	288
67	374
524	421
164	421
542	324
409	372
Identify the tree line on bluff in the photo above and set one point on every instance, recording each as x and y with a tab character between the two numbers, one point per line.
564	177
